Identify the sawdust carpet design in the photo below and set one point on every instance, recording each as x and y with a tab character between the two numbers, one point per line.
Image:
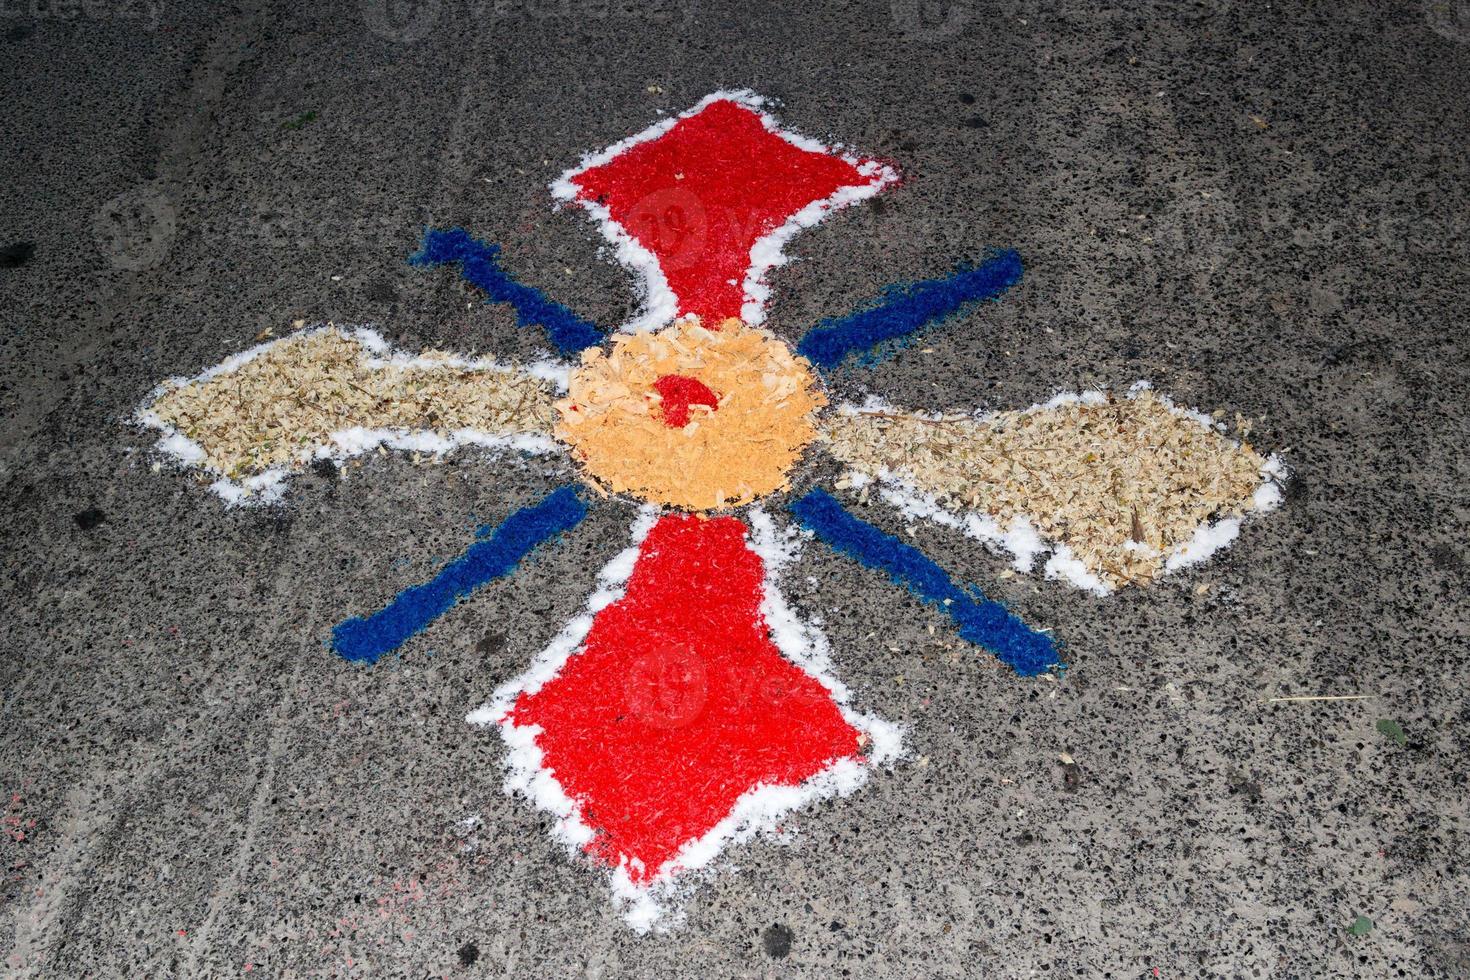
688	706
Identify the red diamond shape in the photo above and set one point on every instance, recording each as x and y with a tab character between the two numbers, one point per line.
678	702
698	196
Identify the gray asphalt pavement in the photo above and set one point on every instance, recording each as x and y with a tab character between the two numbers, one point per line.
1261	208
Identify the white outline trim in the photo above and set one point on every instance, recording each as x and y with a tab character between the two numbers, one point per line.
760	809
660	305
1023	540
269	487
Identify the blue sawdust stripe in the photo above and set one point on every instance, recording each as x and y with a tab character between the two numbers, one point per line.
480	267
981	621
495	556
905	310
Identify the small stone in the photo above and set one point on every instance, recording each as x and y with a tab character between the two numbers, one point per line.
16	254
777	941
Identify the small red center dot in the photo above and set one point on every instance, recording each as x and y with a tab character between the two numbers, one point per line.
678	393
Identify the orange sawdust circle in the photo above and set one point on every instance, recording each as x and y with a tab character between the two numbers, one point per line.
725	456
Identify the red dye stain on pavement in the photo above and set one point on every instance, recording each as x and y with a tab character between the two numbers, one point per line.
699	197
679	702
678	393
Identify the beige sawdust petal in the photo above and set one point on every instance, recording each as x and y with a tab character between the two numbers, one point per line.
1120	481
288	400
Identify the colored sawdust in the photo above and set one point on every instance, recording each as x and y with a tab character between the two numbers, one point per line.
679	704
711	196
1120	481
725	456
308	392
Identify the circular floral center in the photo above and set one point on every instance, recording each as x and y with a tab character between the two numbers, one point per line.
691	417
